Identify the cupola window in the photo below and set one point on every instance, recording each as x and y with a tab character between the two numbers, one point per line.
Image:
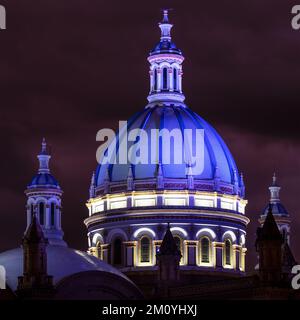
175	79
117	252
52	214
165	78
42	213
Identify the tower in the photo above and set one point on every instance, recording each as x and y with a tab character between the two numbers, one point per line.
269	246
44	200
280	214
35	281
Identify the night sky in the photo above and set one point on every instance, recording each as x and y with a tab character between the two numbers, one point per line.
70	68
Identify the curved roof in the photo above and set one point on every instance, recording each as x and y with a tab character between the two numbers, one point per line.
165	46
277	209
62	262
45	180
216	153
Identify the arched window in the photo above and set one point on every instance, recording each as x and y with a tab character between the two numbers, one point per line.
165	78
117	252
228	252
52	214
205	250
155	79
145	249
175	79
42	213
31	209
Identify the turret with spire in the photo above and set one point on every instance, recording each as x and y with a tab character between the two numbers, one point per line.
280	214
44	199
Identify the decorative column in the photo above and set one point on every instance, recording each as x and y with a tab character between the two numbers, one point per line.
191	252
129	253
236	256
105	249
159	79
170	76
157	244
219	254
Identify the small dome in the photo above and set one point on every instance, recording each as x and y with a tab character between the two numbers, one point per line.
43	180
62	262
165	46
277	209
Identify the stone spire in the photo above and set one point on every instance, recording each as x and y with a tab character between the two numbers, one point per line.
242	185
168	259
159	176
235	181
269	246
130	185
35	281
92	186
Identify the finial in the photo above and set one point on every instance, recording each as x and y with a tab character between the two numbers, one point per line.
165	26
130	184
44	146
274	190
159	176
274	179
92	186
165	16
44	158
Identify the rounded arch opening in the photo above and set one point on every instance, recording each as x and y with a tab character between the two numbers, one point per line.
145	249
117	252
42	213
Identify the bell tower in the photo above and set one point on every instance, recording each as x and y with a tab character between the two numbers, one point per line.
44	200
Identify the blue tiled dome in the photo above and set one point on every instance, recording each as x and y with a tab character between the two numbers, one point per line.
277	209
165	46
43	179
216	153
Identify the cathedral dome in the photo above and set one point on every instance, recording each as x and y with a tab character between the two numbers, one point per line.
218	161
62	262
